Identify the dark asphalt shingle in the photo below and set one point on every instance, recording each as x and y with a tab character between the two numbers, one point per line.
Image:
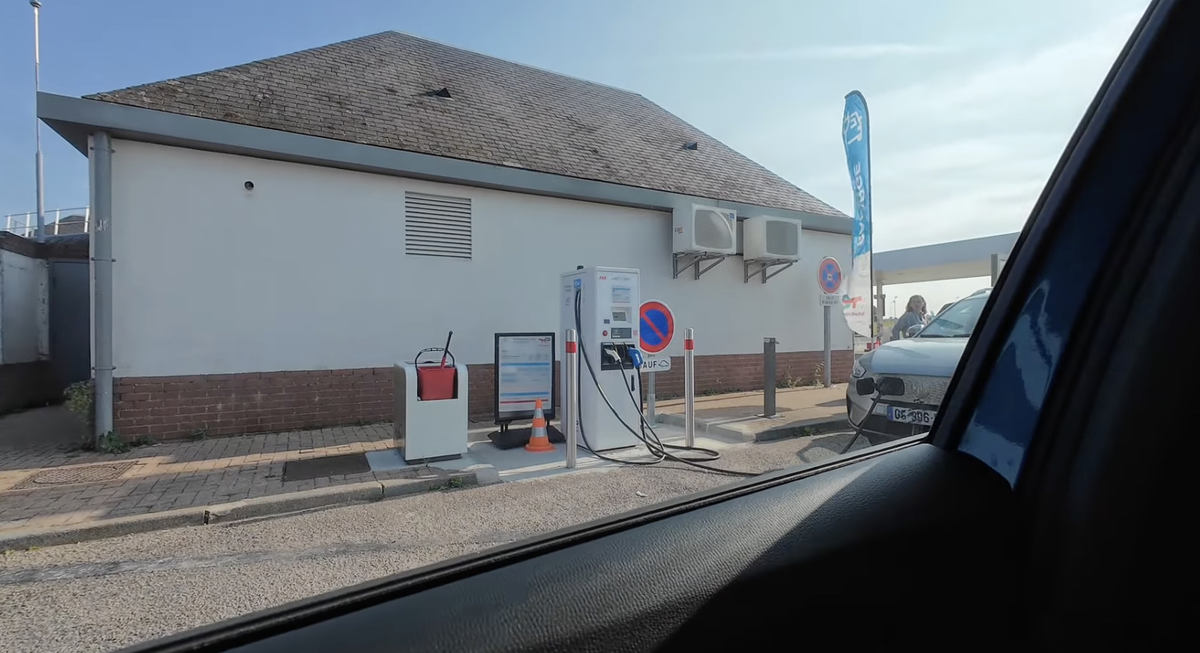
376	89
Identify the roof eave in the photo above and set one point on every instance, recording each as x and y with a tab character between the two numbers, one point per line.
75	118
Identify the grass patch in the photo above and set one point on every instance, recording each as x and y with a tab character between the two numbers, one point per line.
450	484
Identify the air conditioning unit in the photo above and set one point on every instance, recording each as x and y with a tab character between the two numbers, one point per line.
704	230
769	238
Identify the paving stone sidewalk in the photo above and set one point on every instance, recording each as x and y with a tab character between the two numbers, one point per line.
186	474
169	475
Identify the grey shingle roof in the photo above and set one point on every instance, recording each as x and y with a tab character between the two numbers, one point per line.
375	90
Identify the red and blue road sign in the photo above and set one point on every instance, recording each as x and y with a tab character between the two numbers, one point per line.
829	275
657	327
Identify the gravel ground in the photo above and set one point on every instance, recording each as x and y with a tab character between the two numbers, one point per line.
102	595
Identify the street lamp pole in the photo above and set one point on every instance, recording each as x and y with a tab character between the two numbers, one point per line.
37	87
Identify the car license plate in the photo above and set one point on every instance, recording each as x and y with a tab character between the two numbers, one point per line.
911	415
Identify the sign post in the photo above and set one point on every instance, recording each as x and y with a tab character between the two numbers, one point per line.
998	261
655	331
571	401
829	278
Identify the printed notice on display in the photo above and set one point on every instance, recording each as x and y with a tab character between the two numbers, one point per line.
524	374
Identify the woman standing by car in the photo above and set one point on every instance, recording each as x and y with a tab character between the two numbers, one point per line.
915	313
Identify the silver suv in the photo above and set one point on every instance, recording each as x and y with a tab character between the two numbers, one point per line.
926	361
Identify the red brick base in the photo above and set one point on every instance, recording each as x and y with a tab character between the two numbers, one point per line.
170	407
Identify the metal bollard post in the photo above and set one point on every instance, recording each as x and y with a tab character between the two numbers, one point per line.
768	377
689	388
571	401
827	360
650	390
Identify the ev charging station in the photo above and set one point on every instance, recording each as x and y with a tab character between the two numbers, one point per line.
602	304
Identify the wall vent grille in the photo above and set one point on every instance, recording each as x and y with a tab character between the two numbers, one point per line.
437	225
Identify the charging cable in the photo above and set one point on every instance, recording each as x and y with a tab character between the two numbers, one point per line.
711	455
653	443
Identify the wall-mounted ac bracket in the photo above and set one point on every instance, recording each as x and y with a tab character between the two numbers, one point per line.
763	267
681	262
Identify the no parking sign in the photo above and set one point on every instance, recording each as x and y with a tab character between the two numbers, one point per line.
829	275
656	331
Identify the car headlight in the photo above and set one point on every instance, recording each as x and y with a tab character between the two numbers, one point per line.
858	371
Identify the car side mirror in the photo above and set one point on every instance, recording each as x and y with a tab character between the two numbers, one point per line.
886	386
913	330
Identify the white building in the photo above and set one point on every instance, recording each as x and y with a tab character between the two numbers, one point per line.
282	232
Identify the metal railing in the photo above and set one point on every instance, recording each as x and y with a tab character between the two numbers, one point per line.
25	224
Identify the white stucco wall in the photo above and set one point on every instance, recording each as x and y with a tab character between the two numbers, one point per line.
24	330
308	270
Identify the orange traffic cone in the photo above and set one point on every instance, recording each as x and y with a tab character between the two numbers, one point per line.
538	441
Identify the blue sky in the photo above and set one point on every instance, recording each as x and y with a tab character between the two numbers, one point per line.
971	103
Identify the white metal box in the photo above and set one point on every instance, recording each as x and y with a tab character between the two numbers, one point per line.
609	300
698	229
771	238
428	430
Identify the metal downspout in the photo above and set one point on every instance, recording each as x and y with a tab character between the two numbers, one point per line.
102	260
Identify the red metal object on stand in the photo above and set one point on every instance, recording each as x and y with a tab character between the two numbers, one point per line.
436	381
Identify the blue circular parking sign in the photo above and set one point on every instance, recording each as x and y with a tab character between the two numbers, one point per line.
829	275
657	327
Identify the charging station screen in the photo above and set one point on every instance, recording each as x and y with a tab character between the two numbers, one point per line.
524	374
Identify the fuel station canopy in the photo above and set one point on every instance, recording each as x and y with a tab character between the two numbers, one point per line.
960	259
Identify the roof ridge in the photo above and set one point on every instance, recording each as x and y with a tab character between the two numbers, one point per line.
511	62
360	39
277	57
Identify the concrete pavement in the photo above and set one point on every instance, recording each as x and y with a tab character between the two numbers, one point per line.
799	411
104	594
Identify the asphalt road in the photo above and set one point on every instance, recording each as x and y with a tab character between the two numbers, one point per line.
106	594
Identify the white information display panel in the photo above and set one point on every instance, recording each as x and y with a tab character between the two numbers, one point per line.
524	364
